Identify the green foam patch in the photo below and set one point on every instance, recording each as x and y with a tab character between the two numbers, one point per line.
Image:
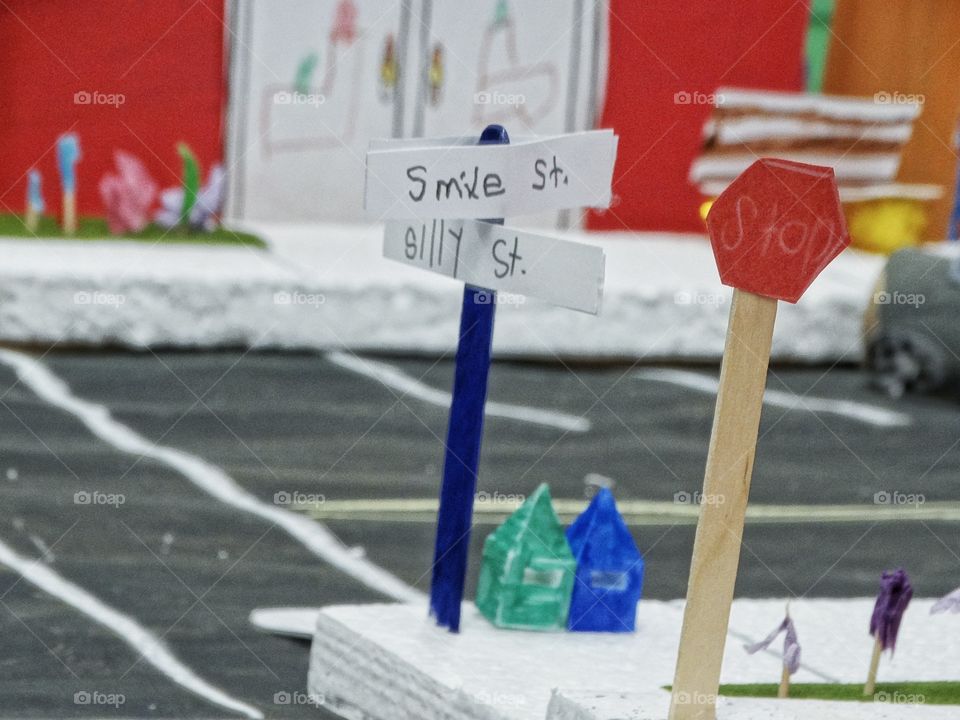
90	228
906	693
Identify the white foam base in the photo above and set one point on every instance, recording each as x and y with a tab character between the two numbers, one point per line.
294	622
391	662
662	300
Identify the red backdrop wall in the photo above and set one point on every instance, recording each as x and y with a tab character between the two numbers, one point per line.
164	58
665	51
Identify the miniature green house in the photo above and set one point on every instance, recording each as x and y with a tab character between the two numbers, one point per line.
526	579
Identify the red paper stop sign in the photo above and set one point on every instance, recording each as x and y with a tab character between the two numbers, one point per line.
776	227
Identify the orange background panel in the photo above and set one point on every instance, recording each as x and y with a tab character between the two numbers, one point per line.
910	47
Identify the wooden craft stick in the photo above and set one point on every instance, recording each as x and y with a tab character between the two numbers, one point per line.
726	484
871	685
31	220
773	231
784	689
69	212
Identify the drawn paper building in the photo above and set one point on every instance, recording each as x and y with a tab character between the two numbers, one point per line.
527	572
609	577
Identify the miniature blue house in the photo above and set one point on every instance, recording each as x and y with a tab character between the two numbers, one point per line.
527	571
609	577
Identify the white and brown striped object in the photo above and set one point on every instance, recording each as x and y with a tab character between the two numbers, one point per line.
860	138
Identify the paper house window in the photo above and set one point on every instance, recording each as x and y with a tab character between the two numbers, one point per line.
609	580
609	577
544	578
527	572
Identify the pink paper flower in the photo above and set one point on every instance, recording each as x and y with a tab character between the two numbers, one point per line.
128	195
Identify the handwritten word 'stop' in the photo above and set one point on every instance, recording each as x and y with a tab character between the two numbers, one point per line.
426	179
776	227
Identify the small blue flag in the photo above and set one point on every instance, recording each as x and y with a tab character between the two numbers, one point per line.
35	191
68	153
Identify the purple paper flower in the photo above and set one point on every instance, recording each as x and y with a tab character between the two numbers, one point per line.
204	213
895	594
948	603
791	645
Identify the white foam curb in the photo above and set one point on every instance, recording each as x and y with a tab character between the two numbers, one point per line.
392	663
293	622
326	287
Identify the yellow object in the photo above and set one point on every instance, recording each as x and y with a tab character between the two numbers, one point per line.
705	209
388	66
885	226
436	74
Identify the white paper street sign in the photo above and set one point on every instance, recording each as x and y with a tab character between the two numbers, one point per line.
457	178
563	273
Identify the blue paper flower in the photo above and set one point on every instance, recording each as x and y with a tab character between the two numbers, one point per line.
35	191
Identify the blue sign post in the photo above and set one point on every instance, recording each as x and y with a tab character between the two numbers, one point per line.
464	435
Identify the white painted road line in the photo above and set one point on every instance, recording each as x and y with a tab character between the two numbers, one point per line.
399	380
862	412
209	478
637	513
150	647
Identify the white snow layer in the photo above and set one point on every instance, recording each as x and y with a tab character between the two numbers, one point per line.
326	287
391	662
